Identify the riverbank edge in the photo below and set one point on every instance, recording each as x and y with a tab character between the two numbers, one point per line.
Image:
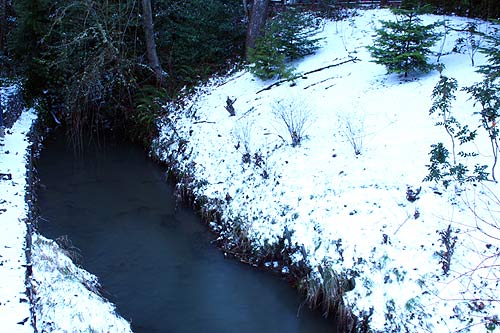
35	136
13	110
34	139
325	295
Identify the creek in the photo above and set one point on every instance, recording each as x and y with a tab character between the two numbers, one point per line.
156	262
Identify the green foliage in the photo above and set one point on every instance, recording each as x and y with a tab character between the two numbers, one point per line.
443	94
487	94
402	46
287	36
148	106
32	24
491	70
90	54
268	61
470	8
441	170
198	37
87	56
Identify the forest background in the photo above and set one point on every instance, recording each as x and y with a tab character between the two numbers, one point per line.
94	64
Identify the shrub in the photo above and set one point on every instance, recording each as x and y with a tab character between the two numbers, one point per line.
295	118
442	170
487	94
287	36
353	130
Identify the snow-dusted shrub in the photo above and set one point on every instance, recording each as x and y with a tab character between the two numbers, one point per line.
294	116
242	132
353	129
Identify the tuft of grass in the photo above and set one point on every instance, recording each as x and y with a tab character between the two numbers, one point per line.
325	289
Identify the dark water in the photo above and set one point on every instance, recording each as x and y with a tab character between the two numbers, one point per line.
156	262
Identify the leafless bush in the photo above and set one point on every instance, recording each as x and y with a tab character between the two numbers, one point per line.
243	134
354	130
294	115
472	41
484	233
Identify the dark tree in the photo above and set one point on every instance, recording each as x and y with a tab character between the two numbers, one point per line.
153	59
487	9
24	42
256	24
3	23
197	37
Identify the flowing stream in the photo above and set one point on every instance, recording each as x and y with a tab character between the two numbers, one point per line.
156	262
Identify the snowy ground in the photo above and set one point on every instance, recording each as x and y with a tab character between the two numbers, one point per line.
350	211
14	304
66	296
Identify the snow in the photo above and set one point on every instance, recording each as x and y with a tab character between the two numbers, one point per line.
350	212
14	305
67	298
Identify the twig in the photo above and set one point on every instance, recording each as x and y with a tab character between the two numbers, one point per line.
204	122
402	224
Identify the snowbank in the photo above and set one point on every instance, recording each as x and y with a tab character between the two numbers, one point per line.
340	200
14	304
68	296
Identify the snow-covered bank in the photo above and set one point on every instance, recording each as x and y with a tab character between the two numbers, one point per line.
14	304
350	212
66	296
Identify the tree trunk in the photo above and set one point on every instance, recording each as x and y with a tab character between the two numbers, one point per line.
258	16
153	60
3	23
245	8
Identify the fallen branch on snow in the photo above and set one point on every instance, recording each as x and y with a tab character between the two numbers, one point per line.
302	75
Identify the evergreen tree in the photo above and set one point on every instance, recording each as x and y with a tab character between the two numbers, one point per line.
197	37
288	36
24	42
402	46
